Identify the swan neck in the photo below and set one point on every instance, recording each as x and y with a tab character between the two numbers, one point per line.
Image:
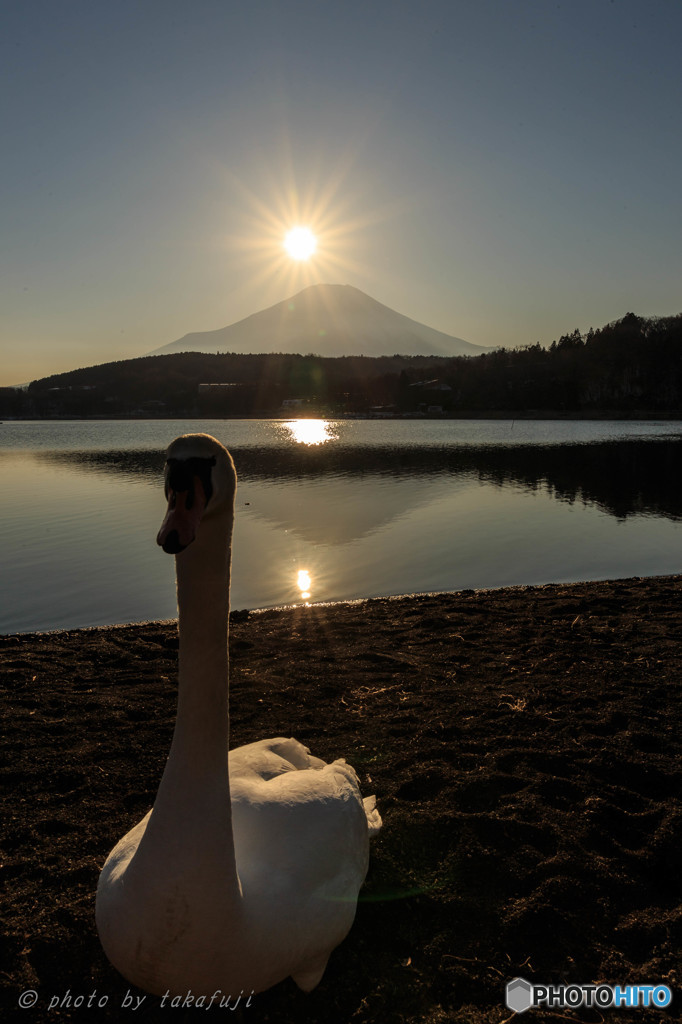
203	578
191	821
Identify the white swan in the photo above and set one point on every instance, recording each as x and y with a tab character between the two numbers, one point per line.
236	878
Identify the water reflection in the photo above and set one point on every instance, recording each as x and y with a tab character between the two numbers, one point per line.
154	435
311	432
304	583
337	521
340	510
623	478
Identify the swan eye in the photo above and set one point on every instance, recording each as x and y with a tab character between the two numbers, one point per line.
180	474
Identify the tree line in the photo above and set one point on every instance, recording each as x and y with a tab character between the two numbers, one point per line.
633	364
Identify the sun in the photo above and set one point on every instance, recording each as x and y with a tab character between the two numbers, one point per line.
300	243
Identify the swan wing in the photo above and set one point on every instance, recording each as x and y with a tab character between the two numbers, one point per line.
270	758
311	820
302	849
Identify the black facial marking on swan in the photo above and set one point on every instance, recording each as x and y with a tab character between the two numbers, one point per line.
180	476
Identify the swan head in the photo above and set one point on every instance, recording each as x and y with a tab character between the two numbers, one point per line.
200	482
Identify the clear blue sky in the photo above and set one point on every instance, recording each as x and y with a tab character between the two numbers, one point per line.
502	170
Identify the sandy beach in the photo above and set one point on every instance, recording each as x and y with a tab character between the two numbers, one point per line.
525	748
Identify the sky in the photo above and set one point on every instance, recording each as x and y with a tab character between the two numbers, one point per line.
501	170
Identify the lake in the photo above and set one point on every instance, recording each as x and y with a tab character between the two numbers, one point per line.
334	510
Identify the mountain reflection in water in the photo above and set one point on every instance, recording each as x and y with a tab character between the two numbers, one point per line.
623	478
335	515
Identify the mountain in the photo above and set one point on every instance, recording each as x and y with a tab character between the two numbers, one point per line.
326	320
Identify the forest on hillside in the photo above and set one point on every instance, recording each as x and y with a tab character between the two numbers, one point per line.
631	365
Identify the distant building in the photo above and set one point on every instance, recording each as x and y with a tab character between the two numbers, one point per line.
215	389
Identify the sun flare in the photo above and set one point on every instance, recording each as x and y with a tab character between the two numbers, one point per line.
291	232
300	243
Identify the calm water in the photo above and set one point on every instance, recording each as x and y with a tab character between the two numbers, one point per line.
334	510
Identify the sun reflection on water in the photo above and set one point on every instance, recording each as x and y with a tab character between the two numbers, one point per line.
311	431
304	583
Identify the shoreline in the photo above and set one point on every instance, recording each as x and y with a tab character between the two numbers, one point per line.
524	745
666	415
242	614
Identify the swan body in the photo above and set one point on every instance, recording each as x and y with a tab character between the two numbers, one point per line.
247	868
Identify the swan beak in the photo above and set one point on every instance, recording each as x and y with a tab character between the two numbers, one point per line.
185	509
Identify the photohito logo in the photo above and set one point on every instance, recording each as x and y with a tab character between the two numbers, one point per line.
521	995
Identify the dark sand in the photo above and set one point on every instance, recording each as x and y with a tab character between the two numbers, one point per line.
524	746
